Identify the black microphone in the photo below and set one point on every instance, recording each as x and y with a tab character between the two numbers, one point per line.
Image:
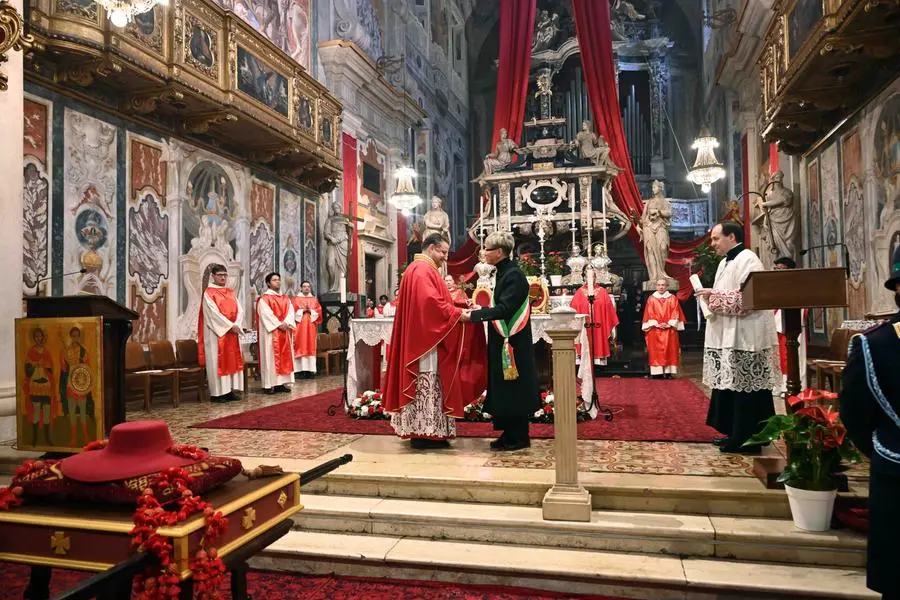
42	279
841	244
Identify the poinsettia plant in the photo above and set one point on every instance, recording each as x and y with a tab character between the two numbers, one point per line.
367	406
529	265
816	441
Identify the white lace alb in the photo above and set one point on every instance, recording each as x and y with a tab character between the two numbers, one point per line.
741	370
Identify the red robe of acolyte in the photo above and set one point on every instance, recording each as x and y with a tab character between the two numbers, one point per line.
663	348
305	335
282	344
427	319
230	360
605	318
459	298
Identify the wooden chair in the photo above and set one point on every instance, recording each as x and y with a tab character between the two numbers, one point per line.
137	381
251	365
163	369
827	372
323	350
191	376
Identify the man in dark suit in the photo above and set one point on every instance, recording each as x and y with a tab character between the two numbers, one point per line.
512	390
870	409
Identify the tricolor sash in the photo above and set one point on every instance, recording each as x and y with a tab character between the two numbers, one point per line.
508	329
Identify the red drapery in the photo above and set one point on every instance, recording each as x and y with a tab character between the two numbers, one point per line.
516	32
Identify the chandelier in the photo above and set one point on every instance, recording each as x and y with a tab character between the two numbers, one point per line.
707	169
122	12
405	197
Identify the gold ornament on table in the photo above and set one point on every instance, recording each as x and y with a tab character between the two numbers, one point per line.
12	36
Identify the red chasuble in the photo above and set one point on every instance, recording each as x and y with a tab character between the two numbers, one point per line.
230	361
427	318
305	335
282	344
605	317
459	298
663	349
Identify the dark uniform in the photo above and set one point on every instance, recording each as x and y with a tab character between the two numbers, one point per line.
870	409
510	403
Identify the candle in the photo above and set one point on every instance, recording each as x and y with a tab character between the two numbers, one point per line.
495	211
481	220
343	290
590	281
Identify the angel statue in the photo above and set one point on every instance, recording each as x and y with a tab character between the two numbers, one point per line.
501	157
546	28
591	146
620	12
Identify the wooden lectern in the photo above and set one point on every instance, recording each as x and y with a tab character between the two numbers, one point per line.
116	331
792	290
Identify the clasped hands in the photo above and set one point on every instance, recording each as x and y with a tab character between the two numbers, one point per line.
703	292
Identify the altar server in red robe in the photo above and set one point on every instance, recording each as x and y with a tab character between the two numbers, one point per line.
436	364
275	323
459	297
605	319
308	316
217	332
663	319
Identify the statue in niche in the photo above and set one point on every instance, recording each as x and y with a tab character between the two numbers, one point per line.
436	220
778	209
502	155
337	239
546	28
653	229
622	11
591	146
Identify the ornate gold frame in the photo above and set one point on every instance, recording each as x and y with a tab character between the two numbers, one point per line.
12	36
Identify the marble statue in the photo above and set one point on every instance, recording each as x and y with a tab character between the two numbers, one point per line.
591	146
546	28
502	155
337	241
622	11
436	220
654	231
779	210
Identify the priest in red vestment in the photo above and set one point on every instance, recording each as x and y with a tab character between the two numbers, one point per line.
663	319
459	297
218	342
436	363
308	316
605	319
275	324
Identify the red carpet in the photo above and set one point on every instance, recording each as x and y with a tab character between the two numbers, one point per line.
281	586
650	410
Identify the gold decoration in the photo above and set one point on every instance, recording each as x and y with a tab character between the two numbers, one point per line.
282	499
12	36
60	543
249	518
202	123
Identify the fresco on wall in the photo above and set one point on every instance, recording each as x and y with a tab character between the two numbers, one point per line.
90	203
210	208
310	234
815	235
367	18
151	327
36	196
259	81
887	158
297	38
289	217
148	244
439	24
855	235
262	236
286	23
832	231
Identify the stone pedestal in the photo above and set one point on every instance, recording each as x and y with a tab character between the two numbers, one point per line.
567	500
11	164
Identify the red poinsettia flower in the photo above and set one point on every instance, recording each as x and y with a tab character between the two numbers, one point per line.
814	412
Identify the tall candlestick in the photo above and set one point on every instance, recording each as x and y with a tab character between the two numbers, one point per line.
481	220
343	290
590	281
496	223
572	204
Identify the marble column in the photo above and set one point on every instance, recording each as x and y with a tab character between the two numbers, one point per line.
659	93
11	206
567	500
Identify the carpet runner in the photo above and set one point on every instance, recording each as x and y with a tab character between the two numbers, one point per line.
646	410
284	586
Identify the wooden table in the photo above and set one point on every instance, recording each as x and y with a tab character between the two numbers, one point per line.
96	538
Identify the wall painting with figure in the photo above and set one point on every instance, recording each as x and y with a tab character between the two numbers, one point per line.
261	82
59	383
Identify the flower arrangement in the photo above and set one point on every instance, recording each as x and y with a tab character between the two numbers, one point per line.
474	411
816	442
367	406
545	413
529	265
554	263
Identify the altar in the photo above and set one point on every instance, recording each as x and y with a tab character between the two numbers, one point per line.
368	334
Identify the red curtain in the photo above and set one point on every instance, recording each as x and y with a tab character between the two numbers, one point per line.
516	32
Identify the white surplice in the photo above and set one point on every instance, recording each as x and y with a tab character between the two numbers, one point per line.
215	325
268	323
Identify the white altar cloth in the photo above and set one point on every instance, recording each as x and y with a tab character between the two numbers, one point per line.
371	332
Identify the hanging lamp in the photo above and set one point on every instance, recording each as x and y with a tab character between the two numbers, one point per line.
707	169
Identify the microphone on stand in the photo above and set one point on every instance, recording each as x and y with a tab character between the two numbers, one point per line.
841	244
37	285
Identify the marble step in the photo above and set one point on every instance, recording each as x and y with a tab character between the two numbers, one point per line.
774	540
644	576
736	496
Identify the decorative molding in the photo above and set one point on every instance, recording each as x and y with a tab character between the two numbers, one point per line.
12	36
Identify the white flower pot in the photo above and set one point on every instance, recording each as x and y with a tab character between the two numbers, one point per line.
811	509
556	280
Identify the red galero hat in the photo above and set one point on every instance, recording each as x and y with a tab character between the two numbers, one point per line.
134	448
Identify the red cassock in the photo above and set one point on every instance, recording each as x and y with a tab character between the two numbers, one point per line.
427	319
305	335
282	344
230	360
459	298
605	318
663	348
